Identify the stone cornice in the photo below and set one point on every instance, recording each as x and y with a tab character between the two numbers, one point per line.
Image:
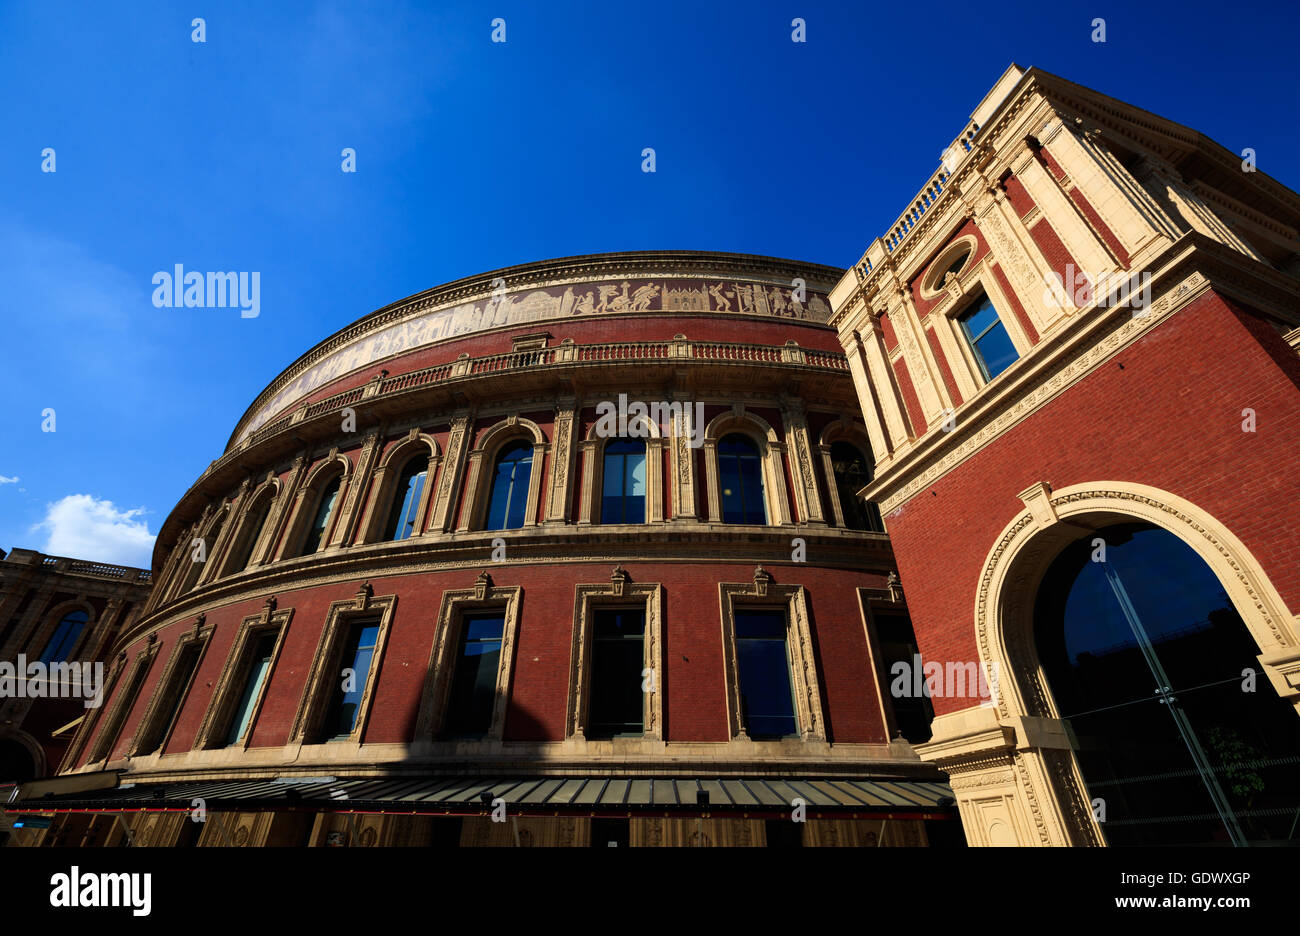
1140	129
670	541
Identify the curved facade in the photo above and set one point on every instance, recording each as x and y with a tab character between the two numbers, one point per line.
583	522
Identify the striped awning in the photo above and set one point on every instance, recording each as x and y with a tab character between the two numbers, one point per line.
562	795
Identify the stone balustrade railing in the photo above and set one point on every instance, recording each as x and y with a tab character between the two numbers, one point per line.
565	353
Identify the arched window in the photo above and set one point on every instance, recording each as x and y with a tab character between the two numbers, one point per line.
403	517
852	473
65	637
1149	663
324	510
508	500
623	498
193	566
740	480
252	533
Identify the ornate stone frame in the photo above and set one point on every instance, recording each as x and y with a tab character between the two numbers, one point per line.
771	451
267	492
384	482
306	500
478	485
593	473
102	748
620	592
1012	765
166	690
803	667
210	533
977	278
484	596
855	434
221	705
312	704
929	287
91	722
872	602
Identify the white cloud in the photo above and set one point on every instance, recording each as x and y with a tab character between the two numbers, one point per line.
4	480
83	527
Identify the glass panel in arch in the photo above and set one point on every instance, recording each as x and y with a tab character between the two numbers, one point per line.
623	497
1178	733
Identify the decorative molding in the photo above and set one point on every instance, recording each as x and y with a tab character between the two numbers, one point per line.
794	601
620	592
484	596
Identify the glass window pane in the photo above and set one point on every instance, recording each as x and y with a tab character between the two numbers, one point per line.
980	317
321	520
252	686
617	704
346	699
766	699
473	691
988	338
500	497
740	476
65	636
613	481
508	500
997	350
252	533
1145	653
751	484
635	475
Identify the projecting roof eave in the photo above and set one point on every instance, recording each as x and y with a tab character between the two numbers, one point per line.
839	797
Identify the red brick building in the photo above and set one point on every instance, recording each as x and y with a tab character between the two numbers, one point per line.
574	543
1077	356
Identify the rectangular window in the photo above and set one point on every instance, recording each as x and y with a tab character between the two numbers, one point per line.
623	498
173	699
122	706
617	660
899	653
473	689
763	662
345	700
257	672
65	637
987	337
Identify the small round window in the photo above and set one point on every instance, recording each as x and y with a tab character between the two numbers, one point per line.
949	264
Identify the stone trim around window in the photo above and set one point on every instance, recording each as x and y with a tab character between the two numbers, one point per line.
324	671
484	596
481	470
230	682
793	599
123	704
166	692
620	592
93	717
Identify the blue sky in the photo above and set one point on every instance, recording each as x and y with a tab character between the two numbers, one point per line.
471	155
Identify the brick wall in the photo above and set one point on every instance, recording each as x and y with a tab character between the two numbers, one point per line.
1166	412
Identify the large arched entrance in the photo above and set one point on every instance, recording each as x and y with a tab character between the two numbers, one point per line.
1178	735
1049	761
